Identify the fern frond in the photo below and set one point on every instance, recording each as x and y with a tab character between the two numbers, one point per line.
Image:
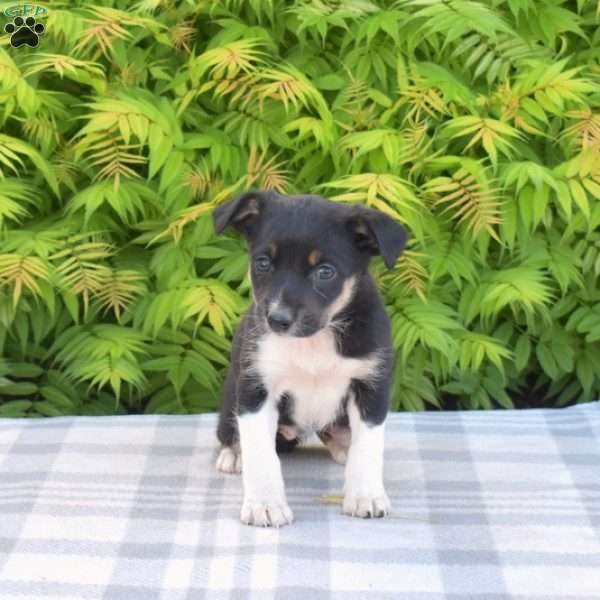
108	26
363	142
456	18
358	119
81	270
384	22
418	147
519	285
353	95
14	84
586	320
130	201
290	86
199	300
214	302
320	16
118	288
525	290
199	179
494	135
183	364
107	150
189	215
65	166
449	256
553	87
477	347
374	63
585	132
41	129
138	116
79	70
312	127
519	173
267	172
183	35
14	195
423	100
192	213
22	273
469	201
409	274
229	60
432	325
249	125
103	355
11	152
524	111
577	179
149	6
495	57
385	192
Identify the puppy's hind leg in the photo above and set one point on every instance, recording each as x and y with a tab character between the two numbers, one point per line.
229	459
337	440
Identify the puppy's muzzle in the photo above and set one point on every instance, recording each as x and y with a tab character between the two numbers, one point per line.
280	319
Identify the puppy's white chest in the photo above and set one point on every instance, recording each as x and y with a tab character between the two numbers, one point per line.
312	371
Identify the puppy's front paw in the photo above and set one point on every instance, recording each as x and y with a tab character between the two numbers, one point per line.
229	461
268	513
366	506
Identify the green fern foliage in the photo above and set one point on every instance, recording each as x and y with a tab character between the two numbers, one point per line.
475	124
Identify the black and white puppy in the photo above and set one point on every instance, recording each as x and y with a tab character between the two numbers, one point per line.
313	353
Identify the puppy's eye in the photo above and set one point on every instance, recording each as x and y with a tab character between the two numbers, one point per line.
325	272
262	263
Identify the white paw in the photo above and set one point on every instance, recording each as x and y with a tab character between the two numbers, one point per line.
229	461
268	513
366	506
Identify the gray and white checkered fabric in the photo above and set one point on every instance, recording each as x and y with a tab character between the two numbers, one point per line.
486	506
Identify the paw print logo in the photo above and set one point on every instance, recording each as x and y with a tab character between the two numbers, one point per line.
24	32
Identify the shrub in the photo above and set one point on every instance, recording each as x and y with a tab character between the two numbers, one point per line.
477	124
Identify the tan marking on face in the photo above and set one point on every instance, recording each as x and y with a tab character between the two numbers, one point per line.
273	249
251	284
313	258
343	299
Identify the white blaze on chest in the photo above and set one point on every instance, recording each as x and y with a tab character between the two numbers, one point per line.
312	371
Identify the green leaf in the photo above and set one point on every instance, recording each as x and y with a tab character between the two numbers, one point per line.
547	360
15	408
522	352
25	370
23	388
332	81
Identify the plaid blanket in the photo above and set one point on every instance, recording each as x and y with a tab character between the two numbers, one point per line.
486	506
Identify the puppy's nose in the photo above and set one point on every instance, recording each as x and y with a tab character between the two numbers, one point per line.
280	319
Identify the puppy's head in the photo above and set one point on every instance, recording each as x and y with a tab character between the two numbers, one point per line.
306	254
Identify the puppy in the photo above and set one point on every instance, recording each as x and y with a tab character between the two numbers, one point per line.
313	353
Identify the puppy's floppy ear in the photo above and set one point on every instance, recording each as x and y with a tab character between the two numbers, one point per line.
241	213
377	233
